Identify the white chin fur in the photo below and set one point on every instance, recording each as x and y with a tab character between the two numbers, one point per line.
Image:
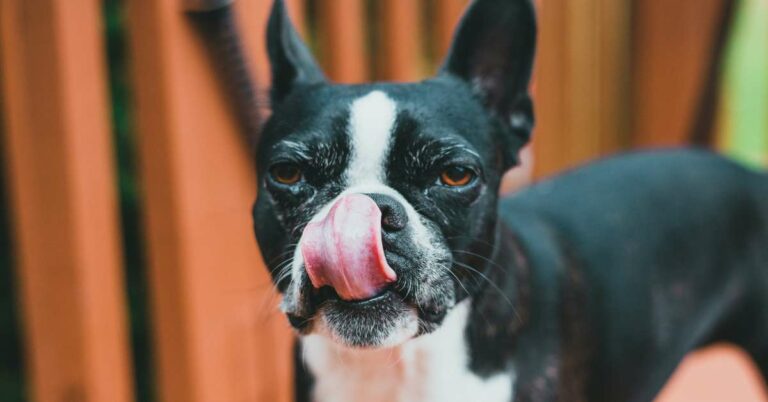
405	330
431	368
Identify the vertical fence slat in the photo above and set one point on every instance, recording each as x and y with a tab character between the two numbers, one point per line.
582	63
447	15
672	41
399	52
343	40
297	11
209	287
251	15
63	193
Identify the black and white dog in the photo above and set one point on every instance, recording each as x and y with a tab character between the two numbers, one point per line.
410	280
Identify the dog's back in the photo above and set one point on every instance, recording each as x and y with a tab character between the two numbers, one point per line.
673	248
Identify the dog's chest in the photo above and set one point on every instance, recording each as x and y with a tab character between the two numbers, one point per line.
433	368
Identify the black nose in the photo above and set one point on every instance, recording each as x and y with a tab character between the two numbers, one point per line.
393	215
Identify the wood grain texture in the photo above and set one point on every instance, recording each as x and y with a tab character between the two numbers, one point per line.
581	82
342	40
399	53
671	46
218	334
63	195
447	15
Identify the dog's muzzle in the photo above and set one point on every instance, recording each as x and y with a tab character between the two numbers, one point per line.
345	251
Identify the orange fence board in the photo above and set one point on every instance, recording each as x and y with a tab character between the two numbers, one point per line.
672	41
581	85
602	67
399	54
218	334
63	196
342	38
447	15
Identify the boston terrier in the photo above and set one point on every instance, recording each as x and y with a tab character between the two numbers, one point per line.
408	278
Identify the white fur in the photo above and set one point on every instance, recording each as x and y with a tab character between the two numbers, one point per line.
371	123
371	127
432	368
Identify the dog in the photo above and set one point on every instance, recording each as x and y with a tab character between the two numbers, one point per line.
408	278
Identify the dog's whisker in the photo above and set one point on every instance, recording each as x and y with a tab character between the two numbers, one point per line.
289	249
459	281
267	309
500	269
397	360
283	272
494	286
473	239
484	258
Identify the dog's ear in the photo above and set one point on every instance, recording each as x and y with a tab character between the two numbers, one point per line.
292	63
493	52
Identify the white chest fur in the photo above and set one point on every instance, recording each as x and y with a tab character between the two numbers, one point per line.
432	368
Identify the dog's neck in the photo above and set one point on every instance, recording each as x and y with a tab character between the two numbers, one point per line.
433	367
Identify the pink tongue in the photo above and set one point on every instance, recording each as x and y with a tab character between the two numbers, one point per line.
344	250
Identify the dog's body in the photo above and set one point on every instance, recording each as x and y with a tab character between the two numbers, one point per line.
636	261
409	280
610	274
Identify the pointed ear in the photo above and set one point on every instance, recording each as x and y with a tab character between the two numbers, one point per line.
493	52
292	63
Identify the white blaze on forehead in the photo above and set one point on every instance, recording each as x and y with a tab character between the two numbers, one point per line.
371	122
372	119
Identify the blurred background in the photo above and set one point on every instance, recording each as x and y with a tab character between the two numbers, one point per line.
128	270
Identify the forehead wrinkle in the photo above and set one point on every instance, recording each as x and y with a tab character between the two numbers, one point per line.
371	123
433	149
298	148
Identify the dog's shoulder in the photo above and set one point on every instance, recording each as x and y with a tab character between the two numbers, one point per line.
639	187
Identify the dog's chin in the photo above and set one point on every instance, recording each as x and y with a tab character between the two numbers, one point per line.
382	322
400	313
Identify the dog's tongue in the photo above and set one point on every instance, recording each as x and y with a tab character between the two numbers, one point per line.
344	250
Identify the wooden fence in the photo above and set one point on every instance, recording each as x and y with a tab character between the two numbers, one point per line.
610	75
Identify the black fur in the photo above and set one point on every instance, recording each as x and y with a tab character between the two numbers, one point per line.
491	32
292	64
591	286
641	259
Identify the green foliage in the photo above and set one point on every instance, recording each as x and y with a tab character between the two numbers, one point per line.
130	200
745	92
12	379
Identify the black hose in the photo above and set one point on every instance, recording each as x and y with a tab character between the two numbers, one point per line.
218	28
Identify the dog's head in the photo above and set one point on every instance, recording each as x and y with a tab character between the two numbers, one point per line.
377	203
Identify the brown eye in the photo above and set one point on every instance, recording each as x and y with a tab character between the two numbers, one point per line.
286	173
457	176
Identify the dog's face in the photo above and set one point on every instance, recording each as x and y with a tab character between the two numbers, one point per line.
377	203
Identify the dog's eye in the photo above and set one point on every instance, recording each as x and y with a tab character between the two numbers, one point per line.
286	173
456	176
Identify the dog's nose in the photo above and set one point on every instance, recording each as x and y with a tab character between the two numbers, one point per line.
344	250
393	215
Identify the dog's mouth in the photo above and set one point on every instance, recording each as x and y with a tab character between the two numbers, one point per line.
362	280
403	310
383	320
